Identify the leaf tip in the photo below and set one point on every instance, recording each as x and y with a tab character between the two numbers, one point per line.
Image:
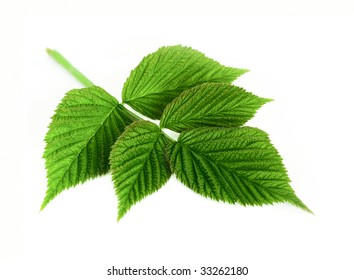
237	72
298	203
43	205
121	211
267	100
48	198
241	71
120	215
308	210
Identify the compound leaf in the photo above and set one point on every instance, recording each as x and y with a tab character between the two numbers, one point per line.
84	127
235	165
211	104
163	75
138	163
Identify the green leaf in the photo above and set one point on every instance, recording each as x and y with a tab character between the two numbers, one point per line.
211	104
163	75
138	163
86	124
235	165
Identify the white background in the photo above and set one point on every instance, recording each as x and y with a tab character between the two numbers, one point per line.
304	63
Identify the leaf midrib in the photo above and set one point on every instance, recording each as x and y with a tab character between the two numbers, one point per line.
178	88
213	161
185	122
232	171
88	141
157	81
145	161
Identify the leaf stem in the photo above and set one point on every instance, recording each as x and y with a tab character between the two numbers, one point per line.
58	57
69	67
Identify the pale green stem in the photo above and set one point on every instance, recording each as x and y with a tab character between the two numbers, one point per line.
78	75
70	68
